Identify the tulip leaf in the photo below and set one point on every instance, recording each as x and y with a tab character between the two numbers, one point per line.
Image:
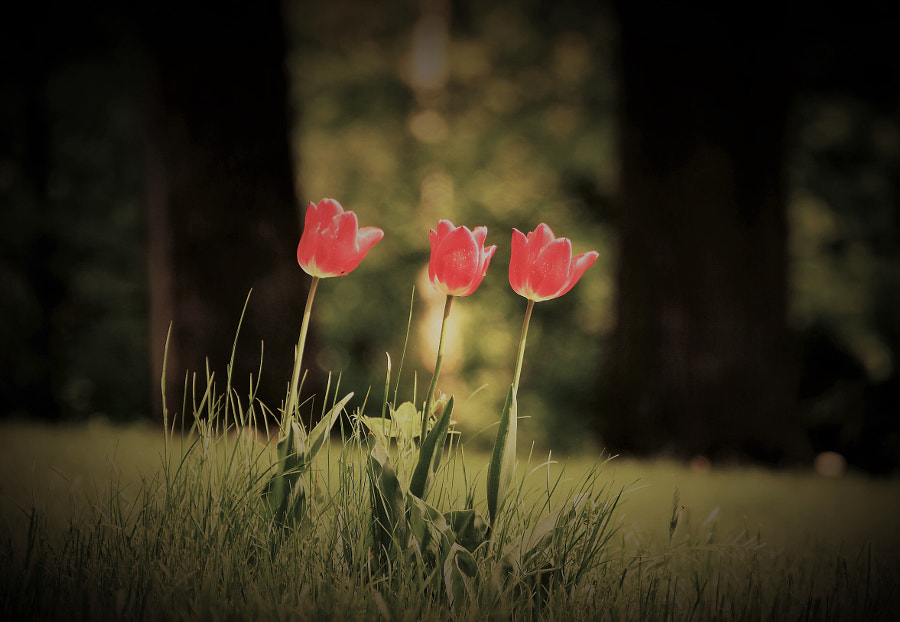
319	434
460	573
388	505
429	529
380	427
503	457
430	454
406	420
285	492
403	424
469	527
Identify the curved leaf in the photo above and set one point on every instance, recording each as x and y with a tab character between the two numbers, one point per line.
429	528
388	504
460	574
284	492
430	455
319	434
469	527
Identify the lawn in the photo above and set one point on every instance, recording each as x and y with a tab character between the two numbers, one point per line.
748	544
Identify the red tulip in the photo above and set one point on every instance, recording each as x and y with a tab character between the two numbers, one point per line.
541	266
459	259
332	243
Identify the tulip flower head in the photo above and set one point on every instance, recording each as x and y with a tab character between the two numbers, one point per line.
332	243
459	259
541	266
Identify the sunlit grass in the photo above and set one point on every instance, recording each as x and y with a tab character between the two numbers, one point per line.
57	464
115	536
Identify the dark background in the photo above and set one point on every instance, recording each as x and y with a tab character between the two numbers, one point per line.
738	172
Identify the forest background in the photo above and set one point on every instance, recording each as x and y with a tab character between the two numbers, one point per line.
503	114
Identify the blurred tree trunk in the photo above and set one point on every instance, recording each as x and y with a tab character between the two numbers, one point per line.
30	380
223	216
702	360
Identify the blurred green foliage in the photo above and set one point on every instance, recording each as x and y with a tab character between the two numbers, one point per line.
845	224
845	273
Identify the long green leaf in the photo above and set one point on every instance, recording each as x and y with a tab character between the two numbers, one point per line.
284	492
388	503
503	457
319	434
430	455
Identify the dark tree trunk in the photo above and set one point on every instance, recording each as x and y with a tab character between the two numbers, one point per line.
223	217
701	359
30	380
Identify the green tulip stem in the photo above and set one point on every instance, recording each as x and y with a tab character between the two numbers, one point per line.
521	354
298	355
429	398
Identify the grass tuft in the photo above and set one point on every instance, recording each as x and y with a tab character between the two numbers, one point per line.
134	524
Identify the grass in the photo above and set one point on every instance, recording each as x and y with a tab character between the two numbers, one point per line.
93	528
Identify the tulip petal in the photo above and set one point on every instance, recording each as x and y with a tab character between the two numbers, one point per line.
434	237
541	265
304	252
455	262
367	237
312	217
518	262
328	209
332	243
338	248
445	228
365	240
581	263
479	233
550	271
485	259
537	241
306	248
